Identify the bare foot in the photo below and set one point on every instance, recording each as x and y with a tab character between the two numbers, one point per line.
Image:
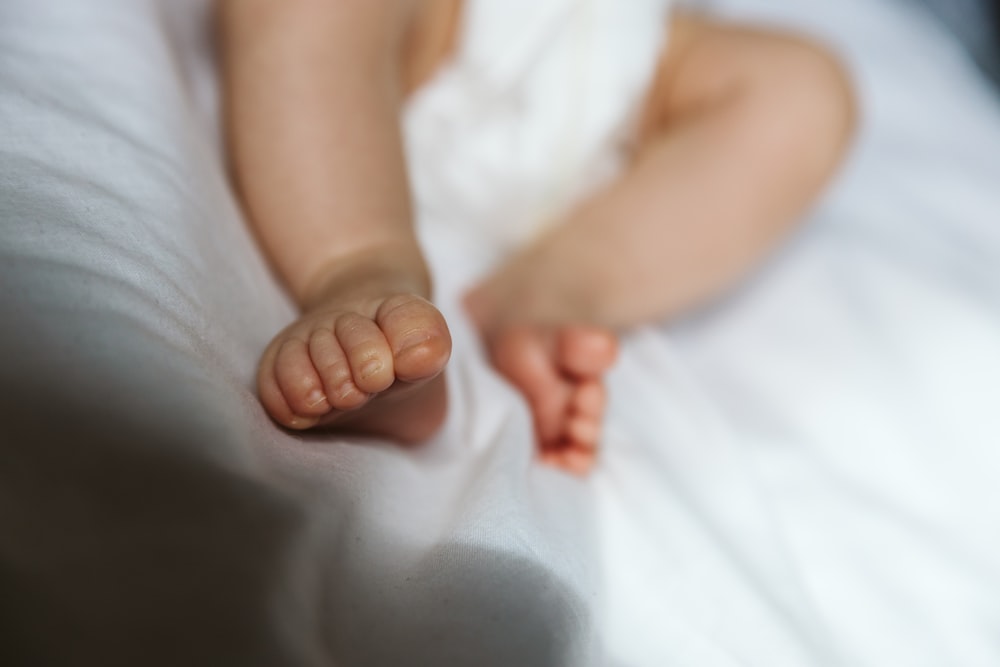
370	364
560	372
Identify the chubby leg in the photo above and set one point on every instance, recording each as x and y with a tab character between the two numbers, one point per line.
743	128
313	93
741	131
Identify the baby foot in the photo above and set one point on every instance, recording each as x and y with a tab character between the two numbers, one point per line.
370	365
560	372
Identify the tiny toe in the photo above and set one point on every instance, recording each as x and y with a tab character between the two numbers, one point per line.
579	461
367	352
271	397
587	351
583	431
570	459
589	399
334	371
298	380
417	335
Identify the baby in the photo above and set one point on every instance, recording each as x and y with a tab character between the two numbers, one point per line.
738	132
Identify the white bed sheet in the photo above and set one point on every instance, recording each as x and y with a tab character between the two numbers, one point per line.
804	474
826	489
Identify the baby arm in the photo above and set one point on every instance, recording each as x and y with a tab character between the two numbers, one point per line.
742	130
312	94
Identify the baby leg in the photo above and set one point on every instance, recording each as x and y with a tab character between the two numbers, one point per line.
742	130
313	93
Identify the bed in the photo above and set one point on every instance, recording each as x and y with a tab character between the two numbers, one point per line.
804	473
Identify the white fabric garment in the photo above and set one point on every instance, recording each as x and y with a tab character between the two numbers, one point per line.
803	474
535	108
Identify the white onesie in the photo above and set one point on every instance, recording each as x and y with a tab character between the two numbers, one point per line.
535	108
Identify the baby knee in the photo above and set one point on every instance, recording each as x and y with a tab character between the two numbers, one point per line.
811	87
773	80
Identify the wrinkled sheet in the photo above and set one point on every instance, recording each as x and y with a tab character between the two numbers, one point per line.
803	473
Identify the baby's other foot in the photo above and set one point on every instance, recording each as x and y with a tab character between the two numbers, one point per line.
560	372
371	365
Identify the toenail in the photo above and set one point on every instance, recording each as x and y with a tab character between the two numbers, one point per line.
413	339
314	398
370	368
347	390
301	422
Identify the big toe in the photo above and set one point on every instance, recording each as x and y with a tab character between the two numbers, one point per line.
418	336
587	352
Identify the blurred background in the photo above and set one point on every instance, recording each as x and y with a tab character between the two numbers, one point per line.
976	23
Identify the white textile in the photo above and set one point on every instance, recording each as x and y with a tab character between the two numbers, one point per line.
804	474
535	108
